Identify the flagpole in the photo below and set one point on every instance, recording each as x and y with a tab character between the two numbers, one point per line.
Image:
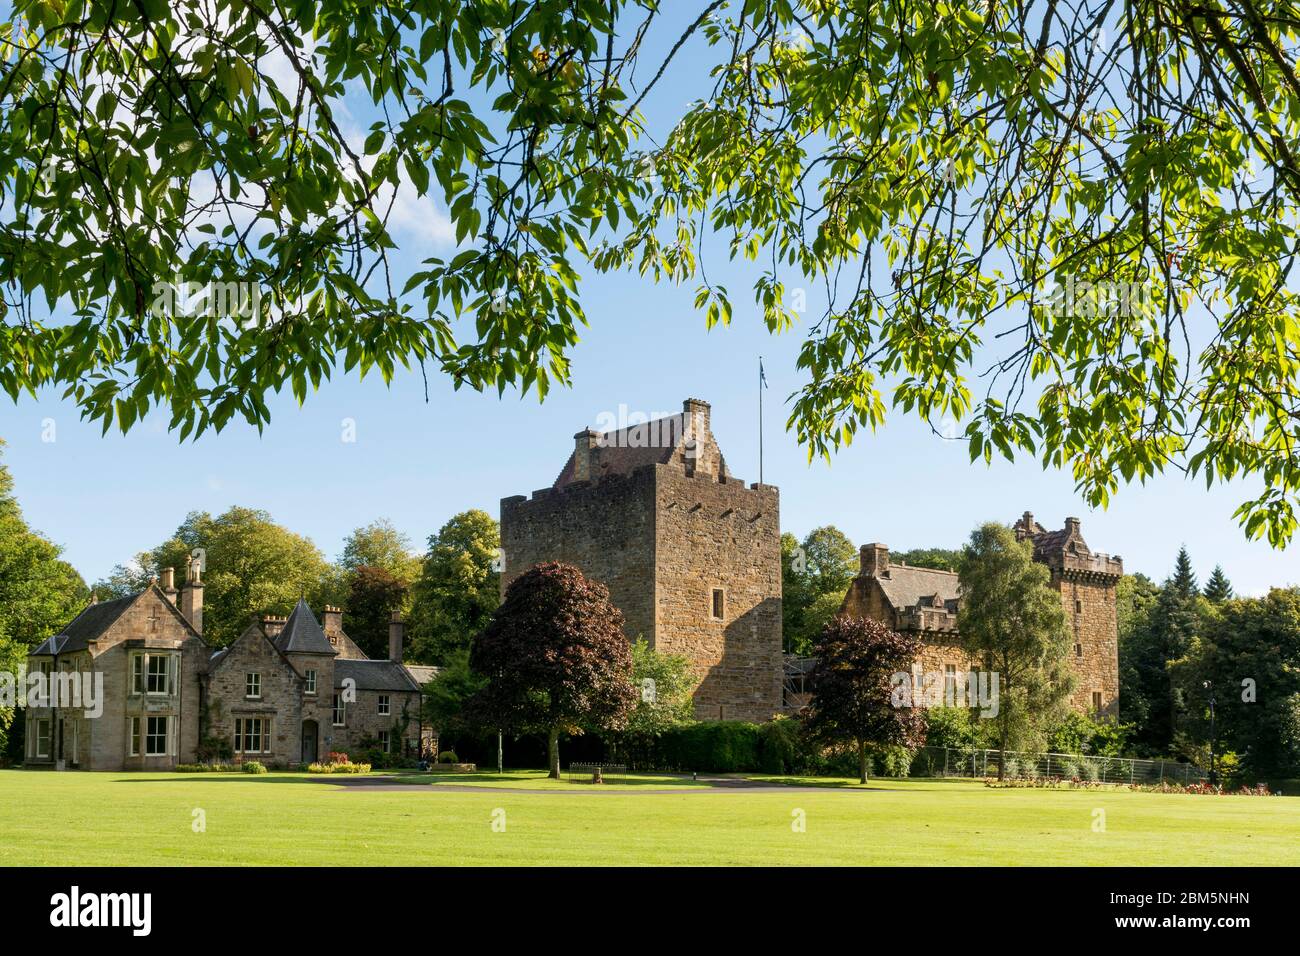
760	419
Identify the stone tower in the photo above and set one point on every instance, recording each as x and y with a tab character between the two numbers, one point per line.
690	555
1086	581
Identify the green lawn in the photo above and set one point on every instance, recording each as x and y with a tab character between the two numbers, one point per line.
145	819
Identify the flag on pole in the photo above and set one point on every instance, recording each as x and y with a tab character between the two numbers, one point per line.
762	376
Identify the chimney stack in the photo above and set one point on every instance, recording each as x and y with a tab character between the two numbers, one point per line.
874	559
192	595
332	622
583	443
169	584
396	631
697	416
273	626
1072	525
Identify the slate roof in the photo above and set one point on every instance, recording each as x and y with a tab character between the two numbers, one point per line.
302	634
907	586
623	451
374	675
89	625
421	673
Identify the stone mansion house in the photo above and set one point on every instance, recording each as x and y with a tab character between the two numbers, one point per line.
287	691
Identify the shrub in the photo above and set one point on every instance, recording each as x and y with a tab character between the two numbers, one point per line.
252	766
334	766
337	756
720	746
206	768
1089	770
448	756
1068	769
893	761
1010	767
779	746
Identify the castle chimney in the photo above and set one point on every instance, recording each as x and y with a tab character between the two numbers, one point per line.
273	626
169	584
396	630
583	443
332	622
697	416
1072	525
875	560
192	595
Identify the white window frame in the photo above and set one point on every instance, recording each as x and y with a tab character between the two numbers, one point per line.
149	735
165	676
339	714
253	685
143	675
36	737
262	735
134	739
310	677
385	705
385	740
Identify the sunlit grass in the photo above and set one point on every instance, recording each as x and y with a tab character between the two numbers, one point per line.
150	819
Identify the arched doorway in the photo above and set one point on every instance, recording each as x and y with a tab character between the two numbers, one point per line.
310	736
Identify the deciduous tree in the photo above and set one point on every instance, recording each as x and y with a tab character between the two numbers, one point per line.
1010	618
1012	188
458	587
853	687
555	659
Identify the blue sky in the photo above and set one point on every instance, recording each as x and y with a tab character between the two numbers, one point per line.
104	499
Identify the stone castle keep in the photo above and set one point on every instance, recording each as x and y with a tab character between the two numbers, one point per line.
692	556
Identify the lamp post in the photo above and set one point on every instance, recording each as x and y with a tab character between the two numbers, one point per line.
1214	775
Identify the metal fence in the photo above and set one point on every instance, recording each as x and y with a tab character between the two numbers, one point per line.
587	772
963	762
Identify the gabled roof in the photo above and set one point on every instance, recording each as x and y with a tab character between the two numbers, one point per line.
95	620
374	675
89	625
905	586
623	451
302	634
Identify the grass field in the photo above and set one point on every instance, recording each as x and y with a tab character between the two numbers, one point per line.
147	819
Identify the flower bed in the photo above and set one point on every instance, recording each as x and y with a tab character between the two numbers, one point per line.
1075	783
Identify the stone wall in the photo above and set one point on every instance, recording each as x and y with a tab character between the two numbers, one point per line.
1090	615
606	528
147	625
709	535
364	722
280	701
661	540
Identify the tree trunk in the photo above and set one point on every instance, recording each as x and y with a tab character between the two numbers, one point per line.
553	750
862	761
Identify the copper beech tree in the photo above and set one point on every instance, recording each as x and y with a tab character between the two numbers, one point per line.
852	687
555	659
